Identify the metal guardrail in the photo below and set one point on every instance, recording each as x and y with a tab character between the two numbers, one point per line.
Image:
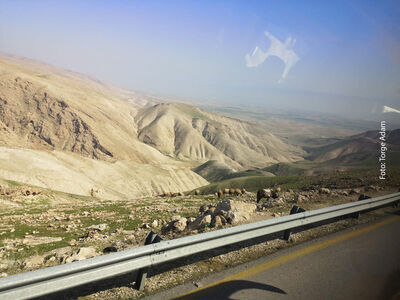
57	278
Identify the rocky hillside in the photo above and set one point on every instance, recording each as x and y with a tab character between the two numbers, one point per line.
357	149
188	133
57	127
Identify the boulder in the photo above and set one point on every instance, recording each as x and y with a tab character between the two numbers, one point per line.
234	211
210	211
190	220
80	254
200	222
274	194
204	208
179	225
175	217
217	221
264	193
154	224
300	198
273	203
33	262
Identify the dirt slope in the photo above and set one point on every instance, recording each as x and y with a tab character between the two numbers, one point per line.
76	174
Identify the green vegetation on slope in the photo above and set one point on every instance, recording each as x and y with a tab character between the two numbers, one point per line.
347	179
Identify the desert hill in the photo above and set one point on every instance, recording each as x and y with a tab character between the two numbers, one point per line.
189	133
73	173
214	170
96	136
356	149
50	113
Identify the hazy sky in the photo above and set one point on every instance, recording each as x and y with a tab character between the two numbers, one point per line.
349	52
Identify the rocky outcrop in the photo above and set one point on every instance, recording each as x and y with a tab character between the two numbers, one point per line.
225	212
80	254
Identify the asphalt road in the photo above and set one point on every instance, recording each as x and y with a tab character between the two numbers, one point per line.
359	263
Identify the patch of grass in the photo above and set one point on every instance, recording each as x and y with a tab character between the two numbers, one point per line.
46	76
12	183
347	179
118	207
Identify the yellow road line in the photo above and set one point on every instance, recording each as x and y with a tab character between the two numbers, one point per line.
284	259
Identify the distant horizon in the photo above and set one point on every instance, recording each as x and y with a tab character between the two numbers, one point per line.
347	53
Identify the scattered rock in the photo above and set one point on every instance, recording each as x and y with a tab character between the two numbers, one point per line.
300	198
210	211
179	225
190	220
200	222
33	262
204	208
81	254
99	227
218	221
363	197
110	249
154	224
264	193
273	203
176	217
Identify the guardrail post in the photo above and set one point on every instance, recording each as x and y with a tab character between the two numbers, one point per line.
151	238
295	210
360	198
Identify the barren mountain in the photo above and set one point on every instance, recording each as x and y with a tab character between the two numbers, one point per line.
358	148
188	133
53	112
68	123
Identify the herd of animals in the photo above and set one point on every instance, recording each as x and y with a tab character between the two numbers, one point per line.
263	193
